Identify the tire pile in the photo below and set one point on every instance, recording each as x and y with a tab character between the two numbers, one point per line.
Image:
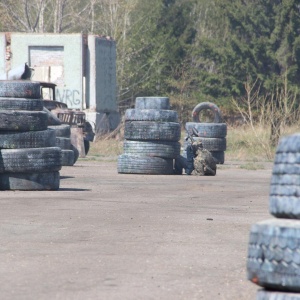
29	159
274	245
152	133
212	135
69	153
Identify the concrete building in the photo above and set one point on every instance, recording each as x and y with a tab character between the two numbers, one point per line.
82	66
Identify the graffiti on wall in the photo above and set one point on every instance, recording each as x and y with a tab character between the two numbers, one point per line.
72	98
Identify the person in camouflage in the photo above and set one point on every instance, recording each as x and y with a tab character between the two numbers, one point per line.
204	163
199	161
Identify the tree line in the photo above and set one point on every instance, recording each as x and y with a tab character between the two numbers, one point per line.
190	50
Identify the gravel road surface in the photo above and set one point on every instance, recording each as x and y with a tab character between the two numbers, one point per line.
106	235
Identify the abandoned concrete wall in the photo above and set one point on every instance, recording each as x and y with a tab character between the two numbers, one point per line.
56	58
83	69
2	54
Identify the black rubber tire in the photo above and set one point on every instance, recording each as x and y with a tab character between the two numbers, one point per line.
290	143
23	120
61	130
287	207
150	130
27	139
204	106
30	160
52	118
152	103
287	158
285	179
219	156
274	254
51	104
131	164
291	169
21	104
208	130
63	143
158	115
76	153
67	157
285	190
211	144
30	181
152	148
20	89
274	295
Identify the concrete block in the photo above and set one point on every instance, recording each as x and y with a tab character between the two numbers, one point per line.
103	123
101	75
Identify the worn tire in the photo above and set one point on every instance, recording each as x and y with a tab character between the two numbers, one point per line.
208	130
284	200
61	130
23	120
29	181
21	104
281	169
287	158
287	207
290	143
152	148
30	160
76	153
50	104
63	143
219	156
204	106
20	89
132	164
67	157
158	115
152	103
150	130
52	118
27	139
211	144
274	295
274	254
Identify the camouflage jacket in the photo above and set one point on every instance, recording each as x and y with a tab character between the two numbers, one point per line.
204	163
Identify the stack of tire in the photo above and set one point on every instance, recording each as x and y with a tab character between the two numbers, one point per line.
274	245
152	134
69	153
212	135
29	159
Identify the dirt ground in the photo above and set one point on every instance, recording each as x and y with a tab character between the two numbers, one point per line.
106	235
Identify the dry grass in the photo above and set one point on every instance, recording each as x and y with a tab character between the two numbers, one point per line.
104	149
244	144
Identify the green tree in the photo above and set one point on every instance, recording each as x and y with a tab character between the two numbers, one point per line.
258	39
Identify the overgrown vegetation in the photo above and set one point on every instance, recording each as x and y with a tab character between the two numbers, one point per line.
190	50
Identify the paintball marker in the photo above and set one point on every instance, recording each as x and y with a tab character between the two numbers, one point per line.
190	136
